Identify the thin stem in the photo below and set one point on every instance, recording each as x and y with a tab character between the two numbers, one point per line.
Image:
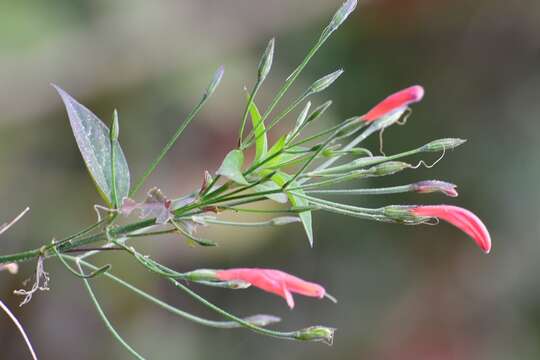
105	319
374	191
169	145
246	110
158	302
278	334
20	328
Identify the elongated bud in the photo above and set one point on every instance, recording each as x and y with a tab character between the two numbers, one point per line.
325	81
266	61
442	145
389	168
202	275
262	319
300	121
402	214
430	186
319	110
215	81
316	333
284	220
340	16
115	128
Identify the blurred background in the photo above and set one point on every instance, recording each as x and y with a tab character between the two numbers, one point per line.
417	292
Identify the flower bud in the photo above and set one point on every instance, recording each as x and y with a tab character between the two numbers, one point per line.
442	145
115	130
316	333
389	168
215	81
341	15
325	81
319	110
430	186
266	61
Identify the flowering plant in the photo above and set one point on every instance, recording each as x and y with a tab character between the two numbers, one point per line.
296	171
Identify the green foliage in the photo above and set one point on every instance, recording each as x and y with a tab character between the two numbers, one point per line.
93	139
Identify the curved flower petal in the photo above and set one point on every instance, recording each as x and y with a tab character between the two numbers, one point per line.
398	100
461	218
274	281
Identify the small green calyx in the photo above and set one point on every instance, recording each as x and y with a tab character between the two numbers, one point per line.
317	333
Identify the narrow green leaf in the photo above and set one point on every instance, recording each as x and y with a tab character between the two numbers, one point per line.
261	143
93	139
270	186
276	148
281	179
231	167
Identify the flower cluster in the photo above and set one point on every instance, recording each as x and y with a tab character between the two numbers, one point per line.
296	172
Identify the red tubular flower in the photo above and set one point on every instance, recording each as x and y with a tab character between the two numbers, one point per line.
461	218
274	281
398	100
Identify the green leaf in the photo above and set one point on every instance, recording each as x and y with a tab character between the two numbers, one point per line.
261	142
231	167
280	179
277	147
94	142
270	186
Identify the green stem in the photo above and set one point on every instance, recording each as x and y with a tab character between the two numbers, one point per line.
106	320
158	302
278	334
169	145
375	191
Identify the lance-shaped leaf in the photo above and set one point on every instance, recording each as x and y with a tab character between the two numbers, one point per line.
271	186
93	139
261	141
281	179
231	167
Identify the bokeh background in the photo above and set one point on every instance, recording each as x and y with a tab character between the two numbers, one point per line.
404	292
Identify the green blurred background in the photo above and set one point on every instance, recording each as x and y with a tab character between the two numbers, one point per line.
404	292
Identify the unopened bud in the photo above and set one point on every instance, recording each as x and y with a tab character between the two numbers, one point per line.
341	15
319	110
266	61
284	220
115	128
442	144
316	333
325	81
389	168
215	81
430	186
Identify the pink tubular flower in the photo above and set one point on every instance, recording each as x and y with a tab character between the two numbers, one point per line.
461	218
274	281
398	100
